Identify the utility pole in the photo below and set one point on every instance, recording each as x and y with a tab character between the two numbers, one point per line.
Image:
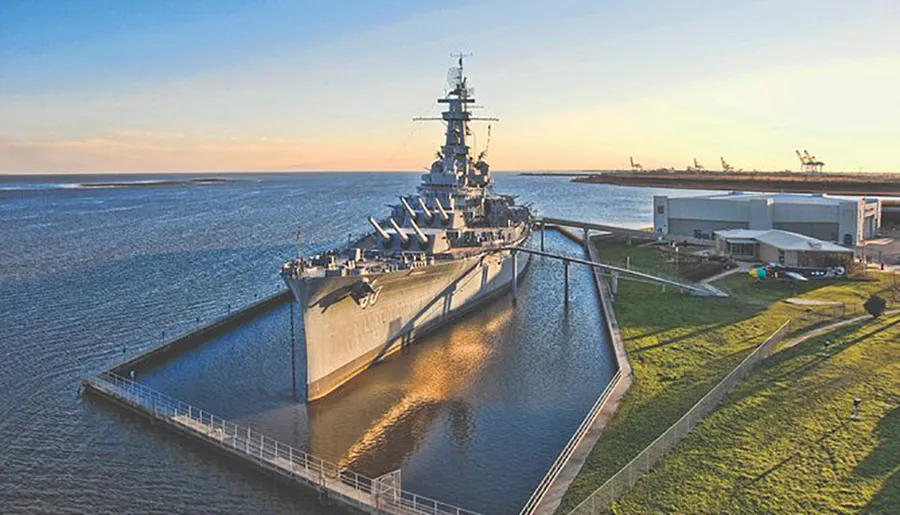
515	266
293	352
542	236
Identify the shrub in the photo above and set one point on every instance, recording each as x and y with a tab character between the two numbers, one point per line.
875	306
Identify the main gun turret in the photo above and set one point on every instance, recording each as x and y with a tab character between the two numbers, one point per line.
403	237
423	240
412	213
381	232
444	216
429	216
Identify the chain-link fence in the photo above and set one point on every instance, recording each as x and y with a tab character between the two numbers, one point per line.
824	314
625	478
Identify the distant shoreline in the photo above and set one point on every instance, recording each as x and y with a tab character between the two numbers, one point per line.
144	184
880	184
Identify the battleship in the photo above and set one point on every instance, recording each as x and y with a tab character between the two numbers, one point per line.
439	253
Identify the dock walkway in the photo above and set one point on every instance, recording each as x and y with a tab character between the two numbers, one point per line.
378	495
703	289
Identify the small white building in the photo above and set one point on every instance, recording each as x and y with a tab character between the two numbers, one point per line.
840	220
781	247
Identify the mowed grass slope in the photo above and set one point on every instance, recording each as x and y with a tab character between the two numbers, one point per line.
679	347
784	441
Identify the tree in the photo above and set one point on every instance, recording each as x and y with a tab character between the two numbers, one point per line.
894	287
875	306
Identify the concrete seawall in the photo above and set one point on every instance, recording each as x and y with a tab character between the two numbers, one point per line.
551	499
198	336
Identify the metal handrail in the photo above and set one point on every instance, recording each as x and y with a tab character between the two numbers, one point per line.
567	451
701	289
267	451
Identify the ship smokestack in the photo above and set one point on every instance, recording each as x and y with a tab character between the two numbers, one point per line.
404	238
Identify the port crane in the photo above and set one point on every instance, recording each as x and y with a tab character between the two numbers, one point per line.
696	168
635	167
725	166
809	163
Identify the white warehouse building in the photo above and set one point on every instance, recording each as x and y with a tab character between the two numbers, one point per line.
840	220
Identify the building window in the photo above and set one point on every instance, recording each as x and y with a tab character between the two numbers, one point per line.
743	249
660	209
848	240
780	257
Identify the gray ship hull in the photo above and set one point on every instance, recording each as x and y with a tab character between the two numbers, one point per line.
342	337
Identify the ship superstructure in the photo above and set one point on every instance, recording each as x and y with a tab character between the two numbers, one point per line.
435	256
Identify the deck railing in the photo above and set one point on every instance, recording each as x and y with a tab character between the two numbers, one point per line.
382	495
561	460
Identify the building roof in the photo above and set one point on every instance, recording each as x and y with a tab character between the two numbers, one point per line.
777	198
783	240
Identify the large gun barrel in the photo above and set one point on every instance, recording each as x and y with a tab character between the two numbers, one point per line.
404	238
412	214
428	214
423	240
440	208
381	232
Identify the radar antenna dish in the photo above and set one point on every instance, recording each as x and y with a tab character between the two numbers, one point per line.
454	77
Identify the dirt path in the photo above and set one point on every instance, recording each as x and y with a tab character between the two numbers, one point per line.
831	327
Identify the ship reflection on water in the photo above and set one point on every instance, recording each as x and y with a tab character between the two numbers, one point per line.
473	414
385	414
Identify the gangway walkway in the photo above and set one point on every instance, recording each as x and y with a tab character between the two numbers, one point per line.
698	289
381	495
590	226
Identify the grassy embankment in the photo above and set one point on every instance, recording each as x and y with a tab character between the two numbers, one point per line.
784	441
680	346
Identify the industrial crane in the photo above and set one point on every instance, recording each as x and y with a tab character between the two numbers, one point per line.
696	168
725	166
809	163
635	167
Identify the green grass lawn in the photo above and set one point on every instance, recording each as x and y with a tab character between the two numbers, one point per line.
646	259
679	347
784	441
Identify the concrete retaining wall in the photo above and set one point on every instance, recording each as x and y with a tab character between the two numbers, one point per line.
572	459
198	336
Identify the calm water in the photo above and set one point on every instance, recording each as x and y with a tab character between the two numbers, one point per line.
473	415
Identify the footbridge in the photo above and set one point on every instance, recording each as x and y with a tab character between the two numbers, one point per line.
590	226
697	289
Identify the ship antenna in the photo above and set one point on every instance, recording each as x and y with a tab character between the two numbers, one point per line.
487	146
459	56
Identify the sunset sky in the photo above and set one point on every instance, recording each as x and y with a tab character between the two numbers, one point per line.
146	86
